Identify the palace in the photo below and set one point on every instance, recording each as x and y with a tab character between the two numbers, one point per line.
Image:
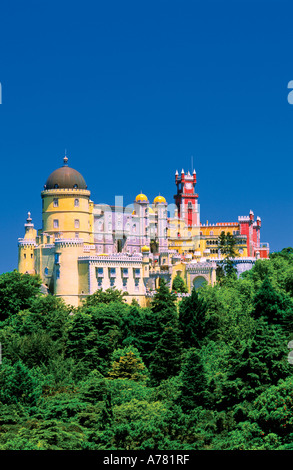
83	246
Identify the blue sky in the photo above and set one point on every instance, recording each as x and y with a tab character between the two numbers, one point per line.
132	90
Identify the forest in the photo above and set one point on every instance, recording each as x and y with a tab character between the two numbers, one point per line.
210	371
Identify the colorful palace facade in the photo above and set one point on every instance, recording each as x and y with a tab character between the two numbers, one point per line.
83	246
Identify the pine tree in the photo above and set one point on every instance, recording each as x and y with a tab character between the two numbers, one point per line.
166	358
193	391
269	304
179	285
163	298
192	319
129	365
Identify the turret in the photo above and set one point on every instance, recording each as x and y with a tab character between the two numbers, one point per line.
26	248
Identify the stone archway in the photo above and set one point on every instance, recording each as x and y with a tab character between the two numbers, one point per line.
199	281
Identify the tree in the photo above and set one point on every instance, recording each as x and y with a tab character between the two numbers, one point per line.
107	296
227	247
17	292
94	333
163	298
127	364
18	384
192	319
178	284
193	391
270	304
166	358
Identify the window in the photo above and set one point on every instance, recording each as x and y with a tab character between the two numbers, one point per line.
76	202
32	255
125	272
100	282
211	233
112	281
76	235
100	272
55	202
46	271
112	272
56	186
136	283
57	255
75	186
57	273
56	223
24	255
76	223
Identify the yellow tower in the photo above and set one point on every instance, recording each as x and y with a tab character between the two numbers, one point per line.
26	248
66	273
66	206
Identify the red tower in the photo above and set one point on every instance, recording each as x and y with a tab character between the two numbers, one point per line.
186	198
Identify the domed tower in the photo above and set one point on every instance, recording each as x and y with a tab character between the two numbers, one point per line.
160	208
66	207
141	207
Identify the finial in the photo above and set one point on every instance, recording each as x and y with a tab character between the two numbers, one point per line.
28	220
65	159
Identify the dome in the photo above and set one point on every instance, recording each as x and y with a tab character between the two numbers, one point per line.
159	199
65	178
141	198
145	248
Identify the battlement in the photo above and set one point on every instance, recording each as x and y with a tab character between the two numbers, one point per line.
26	241
68	242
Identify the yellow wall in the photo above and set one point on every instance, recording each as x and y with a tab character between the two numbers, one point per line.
66	213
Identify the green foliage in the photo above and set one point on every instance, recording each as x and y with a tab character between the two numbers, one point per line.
18	384
166	357
127	364
193	389
178	284
163	299
104	297
210	372
227	248
94	333
16	292
270	304
192	320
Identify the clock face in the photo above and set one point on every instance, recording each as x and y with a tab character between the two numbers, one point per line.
188	186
